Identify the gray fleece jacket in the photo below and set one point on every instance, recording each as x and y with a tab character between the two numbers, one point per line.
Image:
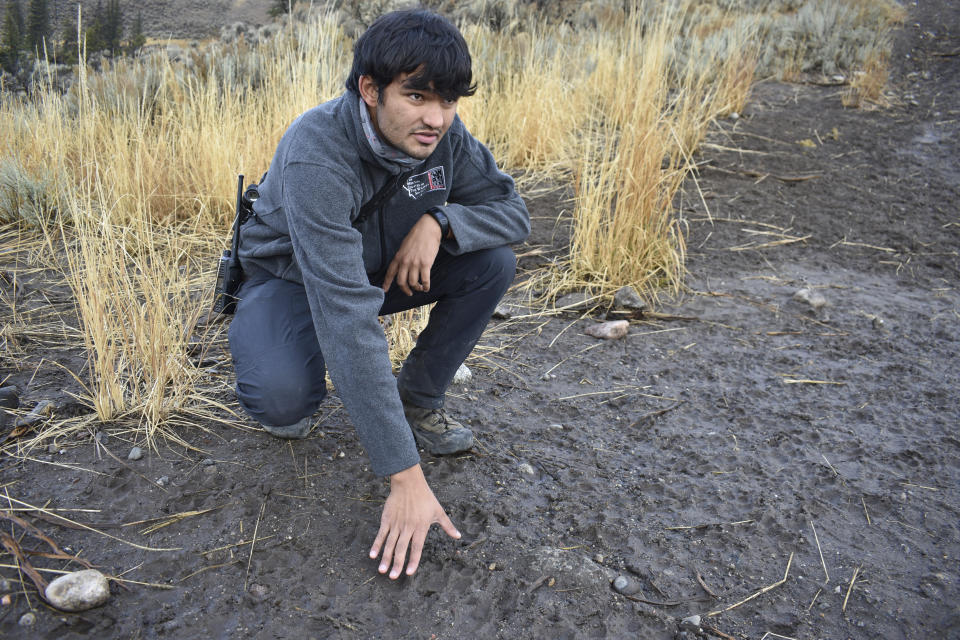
306	229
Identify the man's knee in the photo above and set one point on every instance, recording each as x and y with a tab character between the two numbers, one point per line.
281	395
501	267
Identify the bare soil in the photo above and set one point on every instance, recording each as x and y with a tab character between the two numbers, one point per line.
740	444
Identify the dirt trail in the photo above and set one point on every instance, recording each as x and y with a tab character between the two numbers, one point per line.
700	457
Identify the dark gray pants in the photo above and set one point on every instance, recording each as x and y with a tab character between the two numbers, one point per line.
280	370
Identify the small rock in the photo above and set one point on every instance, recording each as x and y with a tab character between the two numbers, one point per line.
208	462
52	448
101	436
258	592
625	585
502	312
44	409
877	322
628	298
78	591
556	425
493	566
9	397
814	298
574	301
163	481
527	469
598	558
28	619
6	600
690	623
5	585
734	115
608	330
136	453
463	375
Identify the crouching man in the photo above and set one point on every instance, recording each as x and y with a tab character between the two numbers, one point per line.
376	202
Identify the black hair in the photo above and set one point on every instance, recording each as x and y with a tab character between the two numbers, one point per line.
414	41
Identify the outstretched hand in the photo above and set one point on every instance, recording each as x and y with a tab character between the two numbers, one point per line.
410	510
412	263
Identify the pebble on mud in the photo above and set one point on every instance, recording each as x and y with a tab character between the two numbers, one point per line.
163	481
78	591
527	469
463	375
628	298
28	619
625	585
576	301
813	298
136	453
502	312
9	397
690	623
613	330
44	409
258	592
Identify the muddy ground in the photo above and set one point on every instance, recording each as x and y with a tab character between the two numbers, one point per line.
750	444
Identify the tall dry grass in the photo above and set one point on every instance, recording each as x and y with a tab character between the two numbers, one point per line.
131	172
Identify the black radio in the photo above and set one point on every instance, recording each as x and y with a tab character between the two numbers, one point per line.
229	271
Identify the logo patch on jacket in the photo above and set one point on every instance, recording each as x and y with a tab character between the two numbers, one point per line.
432	180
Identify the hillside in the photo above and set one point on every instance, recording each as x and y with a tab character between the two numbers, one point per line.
170	18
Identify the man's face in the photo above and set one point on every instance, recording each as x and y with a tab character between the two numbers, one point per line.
412	120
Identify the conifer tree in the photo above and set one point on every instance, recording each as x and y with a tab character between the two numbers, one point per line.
112	26
12	41
137	38
68	52
93	35
280	7
38	26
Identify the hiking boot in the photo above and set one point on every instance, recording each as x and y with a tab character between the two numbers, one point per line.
437	432
295	431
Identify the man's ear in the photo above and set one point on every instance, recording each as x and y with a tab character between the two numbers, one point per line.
368	91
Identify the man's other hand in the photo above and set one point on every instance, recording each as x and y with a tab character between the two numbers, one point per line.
411	265
410	510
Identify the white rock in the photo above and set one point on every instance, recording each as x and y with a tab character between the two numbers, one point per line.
78	591
814	298
527	469
463	375
608	330
690	623
28	619
136	453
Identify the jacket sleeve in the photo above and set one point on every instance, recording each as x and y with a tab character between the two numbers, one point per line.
318	204
483	206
